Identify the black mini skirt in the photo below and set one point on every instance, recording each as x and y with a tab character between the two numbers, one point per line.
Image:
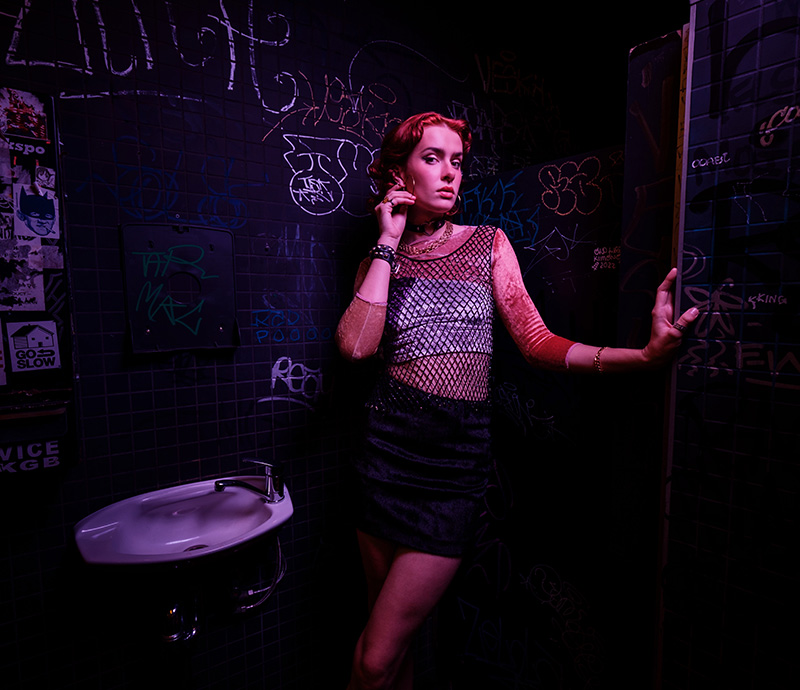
424	469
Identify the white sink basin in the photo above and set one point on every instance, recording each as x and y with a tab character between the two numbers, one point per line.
179	523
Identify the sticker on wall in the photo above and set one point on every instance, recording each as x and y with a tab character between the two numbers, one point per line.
33	346
29	208
22	114
31	455
21	279
2	362
6	211
27	154
36	212
5	161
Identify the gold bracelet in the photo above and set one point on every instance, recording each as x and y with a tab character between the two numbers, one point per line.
597	364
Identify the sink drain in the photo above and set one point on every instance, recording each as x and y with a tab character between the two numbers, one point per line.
196	547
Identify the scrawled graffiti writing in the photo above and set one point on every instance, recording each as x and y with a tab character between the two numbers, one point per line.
158	264
512	658
484	202
711	161
492	563
527	414
319	168
160	303
165	297
716	307
309	267
557	245
606	258
309	190
235	40
145	191
570	617
294	381
499	130
694	262
501	74
527	134
780	118
741	84
285	325
762	364
767	365
480	121
572	187
712	356
762	299
221	206
362	112
273	324
503	205
152	190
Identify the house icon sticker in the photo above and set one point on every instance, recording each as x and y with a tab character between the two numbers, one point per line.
33	335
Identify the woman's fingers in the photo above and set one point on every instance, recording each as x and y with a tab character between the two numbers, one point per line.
393	209
397	196
686	319
665	304
664	291
664	309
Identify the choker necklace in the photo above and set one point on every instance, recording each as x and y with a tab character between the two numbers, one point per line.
427	228
415	249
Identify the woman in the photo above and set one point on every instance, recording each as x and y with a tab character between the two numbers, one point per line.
425	299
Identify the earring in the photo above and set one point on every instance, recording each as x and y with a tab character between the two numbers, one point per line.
456	208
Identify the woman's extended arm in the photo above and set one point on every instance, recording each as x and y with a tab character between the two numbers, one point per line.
539	346
665	338
543	348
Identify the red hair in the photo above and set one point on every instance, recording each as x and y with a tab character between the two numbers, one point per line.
400	142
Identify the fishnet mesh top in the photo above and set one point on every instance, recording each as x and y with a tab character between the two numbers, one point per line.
435	333
438	333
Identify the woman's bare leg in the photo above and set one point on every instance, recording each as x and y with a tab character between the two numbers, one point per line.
404	588
377	556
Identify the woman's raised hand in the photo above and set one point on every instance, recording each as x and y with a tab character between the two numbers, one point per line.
666	334
393	211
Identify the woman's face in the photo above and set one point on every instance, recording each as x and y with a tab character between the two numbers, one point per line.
433	173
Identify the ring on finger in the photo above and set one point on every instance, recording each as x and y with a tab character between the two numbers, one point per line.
679	326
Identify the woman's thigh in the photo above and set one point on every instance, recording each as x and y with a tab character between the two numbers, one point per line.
376	557
413	585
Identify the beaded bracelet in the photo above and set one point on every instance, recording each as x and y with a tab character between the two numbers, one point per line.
383	252
597	364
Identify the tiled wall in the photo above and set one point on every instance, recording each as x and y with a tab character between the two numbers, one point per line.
729	588
187	114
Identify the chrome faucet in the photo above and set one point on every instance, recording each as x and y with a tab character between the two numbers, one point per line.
273	482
